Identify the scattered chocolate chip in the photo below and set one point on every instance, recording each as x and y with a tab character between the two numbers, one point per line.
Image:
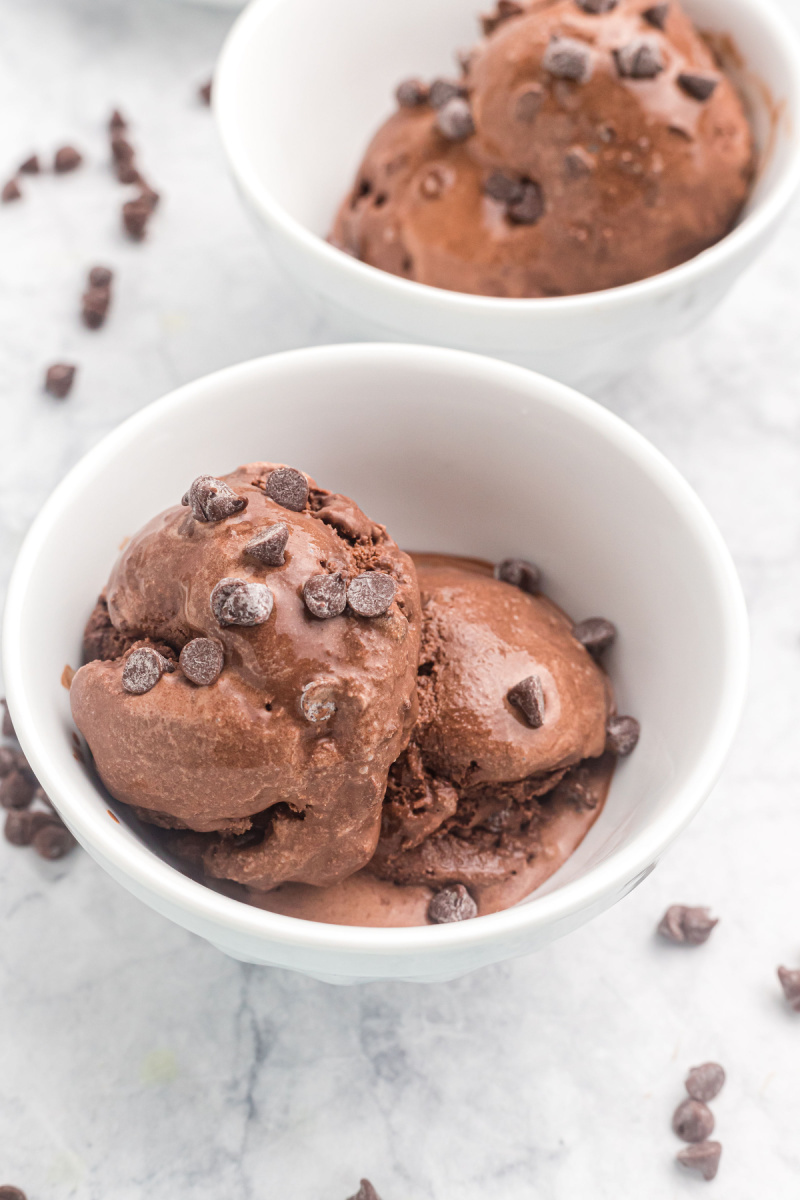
204	92
94	306
101	277
31	166
705	1082
595	634
53	841
135	215
622	734
578	163
521	574
8	760
640	59
116	122
703	1157
365	1192
452	903
127	172
567	58
7	1192
502	187
211	499
693	1121
241	602
682	924
325	596
16	790
202	660
529	208
657	15
442	91
66	159
790	982
21	827
371	593
269	544
59	380
121	149
454	121
412	93
317	701
528	697
8	724
595	7
528	103
142	671
287	487
699	87
11	192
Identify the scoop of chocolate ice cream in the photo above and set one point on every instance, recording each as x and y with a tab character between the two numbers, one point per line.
281	755
586	145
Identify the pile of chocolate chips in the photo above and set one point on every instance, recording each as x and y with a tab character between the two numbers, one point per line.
31	819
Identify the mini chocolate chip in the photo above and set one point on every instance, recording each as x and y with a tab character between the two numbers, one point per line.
693	1121
412	93
287	487
142	671
454	121
703	1157
121	149
31	166
699	87
595	634
705	1082
8	1192
212	499
521	574
8	725
11	192
502	187
269	544
202	659
135	215
622	734
790	982
53	841
16	790
365	1192
116	122
567	58
101	277
371	593
528	697
317	701
578	163
22	826
682	924
657	15
59	380
204	92
596	7
127	172
67	159
529	208
94	306
325	596
640	59
528	103
241	602
443	90
452	903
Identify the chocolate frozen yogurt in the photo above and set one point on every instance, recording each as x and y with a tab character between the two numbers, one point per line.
586	144
327	727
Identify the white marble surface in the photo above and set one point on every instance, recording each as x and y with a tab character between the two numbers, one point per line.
134	1059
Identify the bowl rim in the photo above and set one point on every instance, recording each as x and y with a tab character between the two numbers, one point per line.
616	874
765	213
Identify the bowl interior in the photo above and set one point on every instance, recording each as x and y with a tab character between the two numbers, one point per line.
452	453
307	82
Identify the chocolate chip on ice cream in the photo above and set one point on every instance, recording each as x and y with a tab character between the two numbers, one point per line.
703	1157
790	982
325	596
705	1082
641	59
520	573
202	660
597	7
211	499
454	120
693	1121
528	697
657	15
287	487
699	87
241	602
596	634
412	93
567	58
622	735
143	669
371	593
683	924
452	903
269	544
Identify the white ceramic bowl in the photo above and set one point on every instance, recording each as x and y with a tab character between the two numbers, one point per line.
299	89
453	452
